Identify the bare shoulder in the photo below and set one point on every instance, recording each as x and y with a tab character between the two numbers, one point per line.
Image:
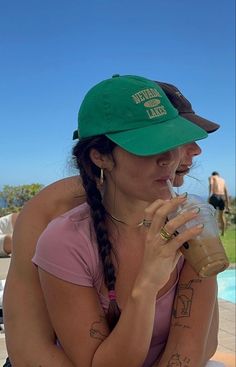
48	204
57	198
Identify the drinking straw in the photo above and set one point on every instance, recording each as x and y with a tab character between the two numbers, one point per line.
170	187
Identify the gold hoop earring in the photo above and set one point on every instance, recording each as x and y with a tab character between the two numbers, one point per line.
101	176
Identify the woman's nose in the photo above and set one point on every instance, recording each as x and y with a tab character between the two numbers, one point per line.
168	158
193	149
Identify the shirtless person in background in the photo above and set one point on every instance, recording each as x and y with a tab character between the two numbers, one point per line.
218	197
7	224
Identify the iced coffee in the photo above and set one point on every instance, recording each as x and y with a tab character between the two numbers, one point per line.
205	253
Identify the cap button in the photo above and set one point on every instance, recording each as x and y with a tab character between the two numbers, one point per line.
115	75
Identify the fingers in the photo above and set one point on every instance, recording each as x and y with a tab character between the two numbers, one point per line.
158	211
172	225
161	232
151	209
173	203
165	235
177	241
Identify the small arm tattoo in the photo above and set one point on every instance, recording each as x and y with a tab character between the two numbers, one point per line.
182	326
184	299
177	361
94	330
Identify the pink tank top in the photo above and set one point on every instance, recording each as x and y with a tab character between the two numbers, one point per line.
68	249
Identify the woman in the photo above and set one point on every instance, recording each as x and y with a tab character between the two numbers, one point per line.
59	197
109	269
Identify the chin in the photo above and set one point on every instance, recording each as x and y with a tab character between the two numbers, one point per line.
163	194
178	181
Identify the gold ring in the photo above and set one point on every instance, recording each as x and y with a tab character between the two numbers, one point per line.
165	235
146	223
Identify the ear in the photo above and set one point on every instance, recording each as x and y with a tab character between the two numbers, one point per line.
101	160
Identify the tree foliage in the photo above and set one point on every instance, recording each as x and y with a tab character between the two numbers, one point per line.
232	214
14	197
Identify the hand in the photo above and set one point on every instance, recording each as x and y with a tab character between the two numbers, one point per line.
227	210
161	255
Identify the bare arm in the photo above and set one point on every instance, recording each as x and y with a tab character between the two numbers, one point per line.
29	336
193	335
82	330
210	185
226	197
212	339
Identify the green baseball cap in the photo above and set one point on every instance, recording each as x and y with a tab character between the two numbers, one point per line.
135	113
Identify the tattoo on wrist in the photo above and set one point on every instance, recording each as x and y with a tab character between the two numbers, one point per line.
96	329
177	360
184	299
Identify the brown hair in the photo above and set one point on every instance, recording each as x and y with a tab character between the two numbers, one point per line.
90	173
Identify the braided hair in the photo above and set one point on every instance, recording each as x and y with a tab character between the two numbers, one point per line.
90	173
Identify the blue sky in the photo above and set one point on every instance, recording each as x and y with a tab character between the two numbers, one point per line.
52	52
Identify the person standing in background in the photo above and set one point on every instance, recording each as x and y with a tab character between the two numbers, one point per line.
219	197
7	223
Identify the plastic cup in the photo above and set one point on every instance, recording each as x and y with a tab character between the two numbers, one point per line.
205	252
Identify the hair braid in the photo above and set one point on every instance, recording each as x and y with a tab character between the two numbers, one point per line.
98	214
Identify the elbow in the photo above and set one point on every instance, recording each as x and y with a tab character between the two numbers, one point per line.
211	348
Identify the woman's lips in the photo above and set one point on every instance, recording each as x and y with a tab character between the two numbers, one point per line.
182	172
164	179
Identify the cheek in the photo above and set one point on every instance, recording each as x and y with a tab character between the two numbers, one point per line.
182	153
136	174
125	172
178	157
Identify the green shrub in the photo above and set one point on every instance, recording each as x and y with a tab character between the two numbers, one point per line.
14	197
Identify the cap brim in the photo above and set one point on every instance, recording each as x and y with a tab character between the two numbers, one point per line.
158	138
75	135
207	125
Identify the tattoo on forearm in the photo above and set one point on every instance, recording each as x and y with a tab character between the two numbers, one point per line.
183	326
94	330
177	360
184	299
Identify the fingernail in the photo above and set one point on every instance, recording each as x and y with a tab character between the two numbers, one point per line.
196	210
200	225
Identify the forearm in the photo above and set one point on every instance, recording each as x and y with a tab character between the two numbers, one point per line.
188	354
50	356
129	342
191	354
190	357
189	347
193	332
30	338
210	189
212	339
195	350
